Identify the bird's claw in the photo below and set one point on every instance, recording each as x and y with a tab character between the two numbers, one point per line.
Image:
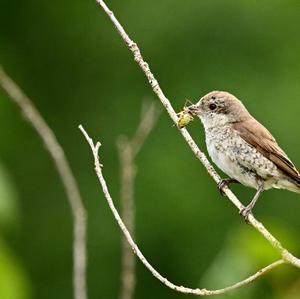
221	185
225	183
245	212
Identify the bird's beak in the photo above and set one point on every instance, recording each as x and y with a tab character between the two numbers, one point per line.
193	109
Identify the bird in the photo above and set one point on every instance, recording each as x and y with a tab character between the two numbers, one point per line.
242	147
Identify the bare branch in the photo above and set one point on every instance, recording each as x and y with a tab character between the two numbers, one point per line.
56	152
148	120
286	255
128	149
136	250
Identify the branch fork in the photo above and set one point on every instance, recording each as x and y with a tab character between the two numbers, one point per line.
286	256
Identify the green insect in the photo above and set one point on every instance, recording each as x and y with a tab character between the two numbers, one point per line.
185	117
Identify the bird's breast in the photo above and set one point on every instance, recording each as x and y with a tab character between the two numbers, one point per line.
227	151
219	143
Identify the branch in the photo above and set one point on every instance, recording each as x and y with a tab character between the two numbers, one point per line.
136	250
285	254
128	150
34	117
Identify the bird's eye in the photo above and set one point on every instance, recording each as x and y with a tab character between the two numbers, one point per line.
212	106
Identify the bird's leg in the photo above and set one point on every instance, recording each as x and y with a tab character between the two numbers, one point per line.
226	182
246	211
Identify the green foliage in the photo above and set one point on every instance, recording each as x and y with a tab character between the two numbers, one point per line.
9	211
244	252
14	283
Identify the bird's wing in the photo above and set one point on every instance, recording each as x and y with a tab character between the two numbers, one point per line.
260	138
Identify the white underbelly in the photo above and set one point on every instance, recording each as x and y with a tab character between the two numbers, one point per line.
231	167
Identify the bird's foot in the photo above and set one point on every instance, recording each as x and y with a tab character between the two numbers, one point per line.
225	183
245	212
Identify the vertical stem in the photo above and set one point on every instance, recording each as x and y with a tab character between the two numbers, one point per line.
36	120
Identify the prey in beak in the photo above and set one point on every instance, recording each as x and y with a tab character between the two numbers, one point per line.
186	115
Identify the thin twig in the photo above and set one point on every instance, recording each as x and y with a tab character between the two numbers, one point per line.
128	150
136	250
286	255
56	152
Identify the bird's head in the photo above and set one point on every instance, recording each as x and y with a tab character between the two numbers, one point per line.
219	108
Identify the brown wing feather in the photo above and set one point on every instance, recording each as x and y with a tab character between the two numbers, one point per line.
259	137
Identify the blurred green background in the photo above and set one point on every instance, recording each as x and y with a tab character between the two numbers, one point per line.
68	58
